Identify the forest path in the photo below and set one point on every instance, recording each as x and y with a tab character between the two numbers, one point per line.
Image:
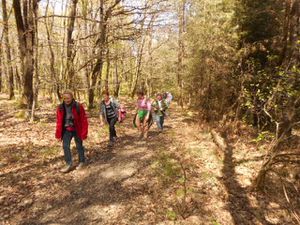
175	177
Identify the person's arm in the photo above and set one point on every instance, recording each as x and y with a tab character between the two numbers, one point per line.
164	105
59	125
84	124
116	103
148	109
137	106
154	105
101	115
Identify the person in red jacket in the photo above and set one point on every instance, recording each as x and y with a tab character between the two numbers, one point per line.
71	121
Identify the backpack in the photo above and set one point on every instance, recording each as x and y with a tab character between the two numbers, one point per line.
122	114
61	106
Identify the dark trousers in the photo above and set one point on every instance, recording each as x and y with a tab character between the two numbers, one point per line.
112	129
160	121
67	137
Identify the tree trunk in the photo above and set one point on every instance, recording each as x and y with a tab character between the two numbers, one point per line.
151	64
1	74
62	72
70	45
8	53
138	70
101	45
36	77
107	70
97	70
181	24
18	80
117	82
285	31
26	36
54	87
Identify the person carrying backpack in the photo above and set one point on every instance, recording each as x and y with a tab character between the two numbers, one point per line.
71	122
109	112
159	107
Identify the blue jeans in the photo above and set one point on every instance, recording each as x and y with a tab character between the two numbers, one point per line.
112	129
160	121
67	137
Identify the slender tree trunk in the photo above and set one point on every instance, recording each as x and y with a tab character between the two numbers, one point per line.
70	45
87	70
18	81
138	67
36	77
107	69
62	72
181	23
117	82
1	65
55	87
285	31
8	53
151	64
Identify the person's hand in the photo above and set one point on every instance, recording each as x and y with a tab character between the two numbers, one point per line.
59	140
101	124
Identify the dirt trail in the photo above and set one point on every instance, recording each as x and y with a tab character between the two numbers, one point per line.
172	178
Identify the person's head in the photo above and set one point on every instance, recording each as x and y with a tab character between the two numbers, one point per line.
105	95
140	94
68	97
165	95
159	96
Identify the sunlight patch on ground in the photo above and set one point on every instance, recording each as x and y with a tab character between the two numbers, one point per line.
120	171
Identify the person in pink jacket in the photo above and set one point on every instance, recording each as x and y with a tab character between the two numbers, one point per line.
143	119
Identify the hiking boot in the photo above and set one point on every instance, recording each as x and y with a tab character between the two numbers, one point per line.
80	166
66	169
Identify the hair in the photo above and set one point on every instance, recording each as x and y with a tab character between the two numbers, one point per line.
159	94
68	92
140	92
105	92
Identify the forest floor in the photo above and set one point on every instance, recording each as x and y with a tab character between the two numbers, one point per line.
179	176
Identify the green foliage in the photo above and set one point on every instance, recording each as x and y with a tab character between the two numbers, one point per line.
171	214
257	20
269	88
210	39
180	193
263	136
167	167
21	114
215	222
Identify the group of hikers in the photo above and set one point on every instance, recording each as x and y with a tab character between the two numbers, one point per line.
71	120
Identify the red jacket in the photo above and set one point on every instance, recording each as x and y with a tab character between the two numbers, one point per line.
80	121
